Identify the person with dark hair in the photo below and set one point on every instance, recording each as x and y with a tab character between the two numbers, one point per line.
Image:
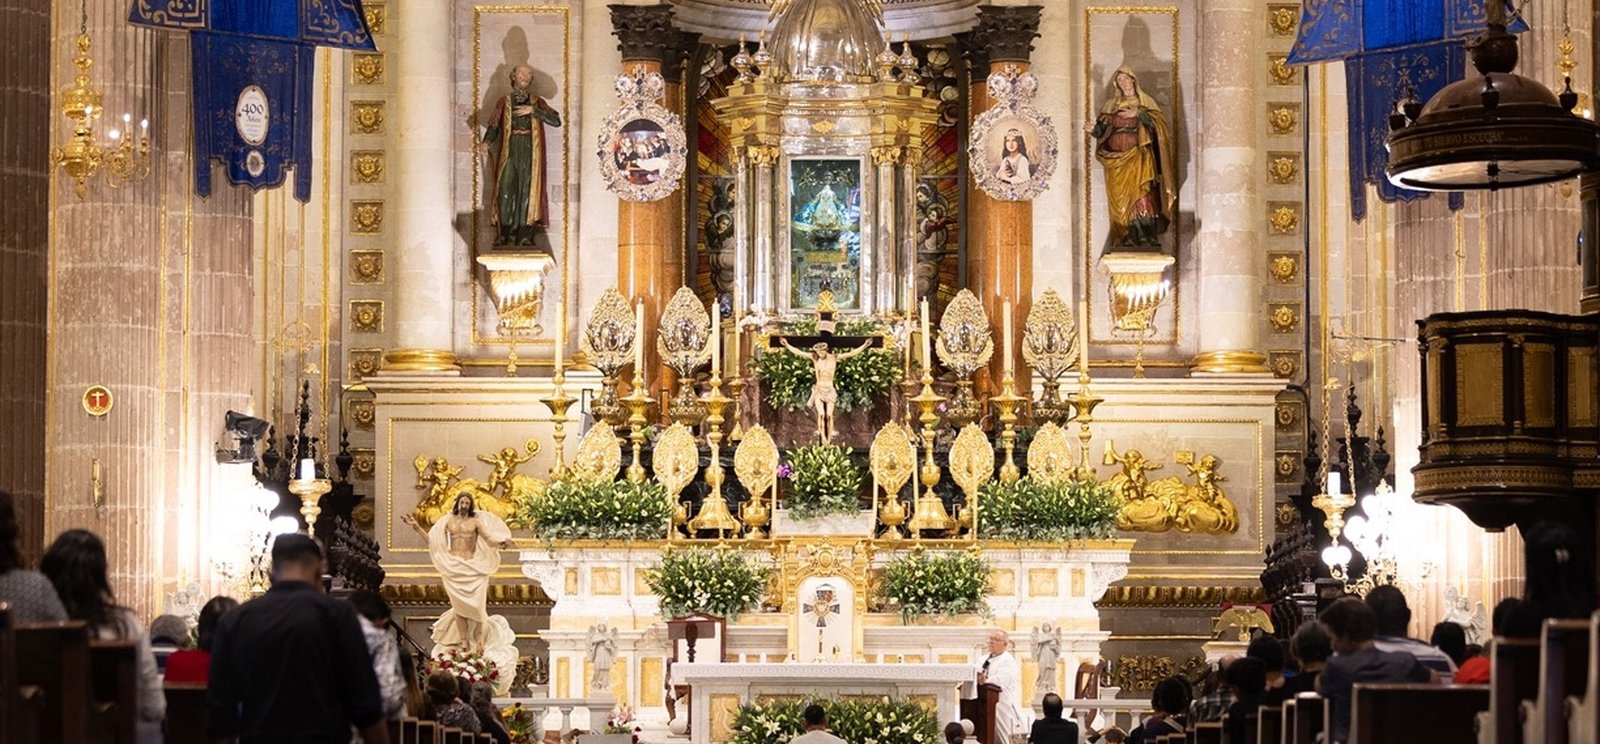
1352	625
816	727
373	612
1169	701
1560	580
954	733
1311	647
29	593
1215	695
415	698
1451	639
1394	617
1269	651
489	722
1475	671
76	565
443	702
1052	728
192	665
1247	678
292	664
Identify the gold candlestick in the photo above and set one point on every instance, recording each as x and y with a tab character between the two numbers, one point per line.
714	513
638	403
930	513
1006	404
558	403
1083	404
310	493
736	406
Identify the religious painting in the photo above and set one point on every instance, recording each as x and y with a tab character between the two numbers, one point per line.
1013	147
824	623
519	105
642	147
1134	160
825	231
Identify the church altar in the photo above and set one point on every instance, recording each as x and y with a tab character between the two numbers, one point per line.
721	687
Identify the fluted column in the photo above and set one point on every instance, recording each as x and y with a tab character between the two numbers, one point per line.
1230	210
644	229
762	159
1001	253
423	215
885	159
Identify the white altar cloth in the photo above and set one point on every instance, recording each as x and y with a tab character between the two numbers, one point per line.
715	686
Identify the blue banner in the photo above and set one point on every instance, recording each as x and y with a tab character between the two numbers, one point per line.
1338	29
331	23
252	110
1374	82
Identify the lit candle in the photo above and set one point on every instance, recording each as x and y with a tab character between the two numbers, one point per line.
561	334
1333	483
1083	336
716	338
638	339
1005	325
308	469
927	355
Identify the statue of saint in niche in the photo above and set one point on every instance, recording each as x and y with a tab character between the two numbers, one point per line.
513	139
1134	146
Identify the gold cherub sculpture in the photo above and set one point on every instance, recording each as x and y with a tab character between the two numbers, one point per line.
506	489
1169	503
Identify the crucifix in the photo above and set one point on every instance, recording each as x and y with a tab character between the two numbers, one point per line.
821	350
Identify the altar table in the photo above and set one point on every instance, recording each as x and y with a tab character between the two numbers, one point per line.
717	690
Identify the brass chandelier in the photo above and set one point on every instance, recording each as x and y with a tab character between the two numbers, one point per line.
125	158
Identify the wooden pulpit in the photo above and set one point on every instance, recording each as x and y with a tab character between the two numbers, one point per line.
980	711
695	635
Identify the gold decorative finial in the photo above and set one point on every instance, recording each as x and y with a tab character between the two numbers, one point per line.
825	302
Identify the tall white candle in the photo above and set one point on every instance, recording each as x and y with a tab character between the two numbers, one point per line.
1005	328
561	334
308	469
927	355
1083	336
716	338
738	339
1333	483
638	339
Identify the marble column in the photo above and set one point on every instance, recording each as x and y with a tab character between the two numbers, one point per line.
762	160
422	157
645	243
1000	253
1230	211
884	160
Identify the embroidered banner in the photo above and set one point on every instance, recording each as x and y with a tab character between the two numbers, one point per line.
252	110
1373	83
331	23
1337	29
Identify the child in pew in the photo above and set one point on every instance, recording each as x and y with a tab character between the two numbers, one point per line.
1352	625
76	566
193	665
1248	678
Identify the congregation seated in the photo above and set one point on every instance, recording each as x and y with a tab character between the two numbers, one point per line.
1247	678
1451	639
1394	616
1169	701
1052	728
1269	651
193	665
168	634
28	593
444	703
954	733
1215	695
1352	625
489	722
1475	671
1311	648
1560	580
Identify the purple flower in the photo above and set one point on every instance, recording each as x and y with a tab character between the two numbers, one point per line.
785	470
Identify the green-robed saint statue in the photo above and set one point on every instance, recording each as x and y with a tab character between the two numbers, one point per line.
514	140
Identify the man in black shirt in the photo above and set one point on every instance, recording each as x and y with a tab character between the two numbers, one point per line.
292	664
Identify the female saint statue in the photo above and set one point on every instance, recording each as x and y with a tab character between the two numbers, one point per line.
465	547
1134	145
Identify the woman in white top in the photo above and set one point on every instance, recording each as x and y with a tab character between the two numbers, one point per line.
76	565
1014	166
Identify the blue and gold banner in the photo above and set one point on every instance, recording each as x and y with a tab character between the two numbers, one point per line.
1374	83
331	23
1339	29
252	110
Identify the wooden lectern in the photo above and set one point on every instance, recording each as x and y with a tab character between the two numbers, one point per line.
980	711
685	634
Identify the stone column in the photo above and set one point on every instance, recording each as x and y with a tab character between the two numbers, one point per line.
743	281
1000	253
1230	212
885	247
422	158
677	55
762	159
644	229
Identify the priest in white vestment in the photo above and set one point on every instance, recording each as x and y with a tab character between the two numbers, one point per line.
1002	670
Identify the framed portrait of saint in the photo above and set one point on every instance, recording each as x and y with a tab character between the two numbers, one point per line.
642	148
1013	146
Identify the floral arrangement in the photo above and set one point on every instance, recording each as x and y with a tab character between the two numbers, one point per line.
718	582
881	721
520	724
823	480
619	510
1055	511
945	583
469	665
862	380
621	722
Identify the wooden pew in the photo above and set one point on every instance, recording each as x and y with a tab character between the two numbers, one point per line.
1269	725
1383	712
408	731
1207	732
427	732
1563	656
186	714
1250	727
1310	717
114	675
1286	723
1513	678
451	735
18	706
1583	713
55	658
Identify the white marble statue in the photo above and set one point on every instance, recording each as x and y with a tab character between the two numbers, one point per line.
1046	652
1460	610
465	548
602	652
1001	669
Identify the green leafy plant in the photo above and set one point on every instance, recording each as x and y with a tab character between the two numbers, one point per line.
946	583
861	380
824	481
719	582
881	721
619	510
1046	511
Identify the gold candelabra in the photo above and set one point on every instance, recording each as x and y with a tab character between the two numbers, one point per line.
1083	408
714	513
1006	405
558	403
638	403
736	401
930	513
81	157
310	492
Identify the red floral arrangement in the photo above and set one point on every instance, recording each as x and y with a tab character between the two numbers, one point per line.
466	664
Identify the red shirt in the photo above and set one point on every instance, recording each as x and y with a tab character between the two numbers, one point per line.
188	666
1473	671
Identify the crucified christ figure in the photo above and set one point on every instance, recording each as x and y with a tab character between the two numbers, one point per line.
823	394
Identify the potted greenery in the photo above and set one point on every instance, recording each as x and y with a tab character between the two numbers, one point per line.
823	493
857	721
619	510
944	583
718	582
1049	511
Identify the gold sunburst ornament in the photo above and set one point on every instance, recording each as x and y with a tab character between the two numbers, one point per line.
971	464
676	459
964	346
1050	454
894	459
684	341
599	456
608	340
